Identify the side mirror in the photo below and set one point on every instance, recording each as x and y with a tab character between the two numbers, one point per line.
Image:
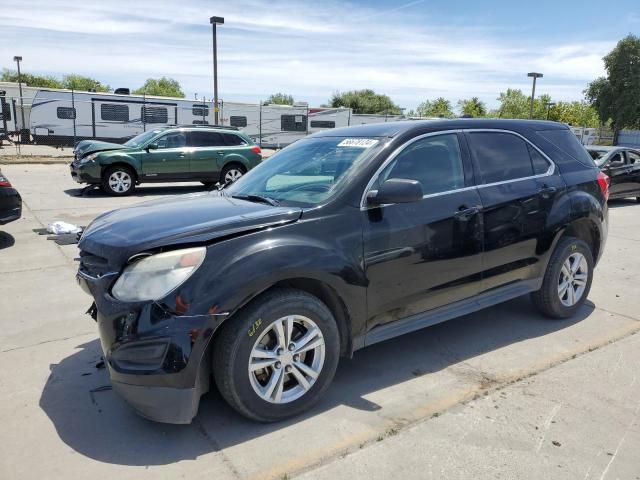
152	146
396	190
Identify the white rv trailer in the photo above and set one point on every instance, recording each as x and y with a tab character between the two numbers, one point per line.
10	115
58	117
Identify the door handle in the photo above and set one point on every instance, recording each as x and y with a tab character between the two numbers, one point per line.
464	213
546	191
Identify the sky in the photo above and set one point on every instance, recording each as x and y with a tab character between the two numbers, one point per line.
412	50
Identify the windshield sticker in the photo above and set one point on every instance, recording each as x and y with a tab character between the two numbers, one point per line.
358	142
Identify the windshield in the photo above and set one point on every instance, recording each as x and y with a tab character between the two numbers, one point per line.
141	139
307	172
599	156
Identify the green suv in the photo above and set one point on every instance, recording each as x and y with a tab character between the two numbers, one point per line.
175	154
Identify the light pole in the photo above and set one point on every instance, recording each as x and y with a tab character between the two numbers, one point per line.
549	105
534	75
18	59
215	21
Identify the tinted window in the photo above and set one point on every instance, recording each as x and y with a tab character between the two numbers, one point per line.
500	156
567	142
540	164
293	123
155	114
433	161
66	113
206	139
172	140
201	110
237	121
114	113
232	140
322	124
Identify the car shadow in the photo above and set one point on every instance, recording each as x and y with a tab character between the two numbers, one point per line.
622	202
95	422
144	191
6	240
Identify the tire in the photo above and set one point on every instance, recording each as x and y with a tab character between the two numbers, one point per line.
231	171
253	330
118	180
570	253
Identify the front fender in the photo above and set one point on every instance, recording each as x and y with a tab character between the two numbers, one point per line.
121	158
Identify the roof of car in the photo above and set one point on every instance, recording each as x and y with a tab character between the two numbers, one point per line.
391	129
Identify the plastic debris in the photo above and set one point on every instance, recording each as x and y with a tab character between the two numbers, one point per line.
58	228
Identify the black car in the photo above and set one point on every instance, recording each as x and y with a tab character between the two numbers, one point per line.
346	238
10	201
622	166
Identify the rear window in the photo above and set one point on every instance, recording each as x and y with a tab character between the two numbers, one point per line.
206	139
232	140
567	142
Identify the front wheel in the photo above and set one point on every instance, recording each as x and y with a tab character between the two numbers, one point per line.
276	358
567	280
118	180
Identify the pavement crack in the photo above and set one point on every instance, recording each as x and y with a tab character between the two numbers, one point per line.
46	341
216	446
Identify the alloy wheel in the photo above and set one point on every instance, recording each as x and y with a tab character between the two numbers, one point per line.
286	360
120	181
573	279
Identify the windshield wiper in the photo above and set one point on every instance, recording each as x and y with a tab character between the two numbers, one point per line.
258	198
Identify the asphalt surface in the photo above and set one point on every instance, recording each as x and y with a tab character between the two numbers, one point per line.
405	407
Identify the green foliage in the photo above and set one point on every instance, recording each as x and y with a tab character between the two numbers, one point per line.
162	87
472	106
440	107
31	80
280	99
78	82
365	101
616	97
577	114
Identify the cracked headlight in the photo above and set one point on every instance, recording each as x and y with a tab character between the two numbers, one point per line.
154	277
88	158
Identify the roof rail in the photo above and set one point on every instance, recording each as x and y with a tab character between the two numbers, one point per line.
222	127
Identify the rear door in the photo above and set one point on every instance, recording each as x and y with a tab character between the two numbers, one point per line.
619	174
170	161
207	154
512	209
420	256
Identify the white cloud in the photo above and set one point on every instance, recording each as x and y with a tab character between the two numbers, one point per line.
305	48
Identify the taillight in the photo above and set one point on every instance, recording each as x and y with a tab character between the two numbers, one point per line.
4	182
256	149
603	182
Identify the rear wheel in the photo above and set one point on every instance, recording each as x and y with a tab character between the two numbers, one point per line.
567	280
118	180
231	173
276	358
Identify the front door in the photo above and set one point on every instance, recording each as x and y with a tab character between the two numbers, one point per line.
419	256
619	174
170	161
633	160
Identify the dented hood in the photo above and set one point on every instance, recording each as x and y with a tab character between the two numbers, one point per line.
197	218
85	147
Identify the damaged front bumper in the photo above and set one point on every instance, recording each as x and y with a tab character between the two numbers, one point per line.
157	358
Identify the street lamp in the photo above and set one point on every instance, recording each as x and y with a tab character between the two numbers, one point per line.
535	76
549	105
18	59
215	21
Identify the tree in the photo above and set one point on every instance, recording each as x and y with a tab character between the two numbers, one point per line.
78	82
473	107
163	87
616	97
578	114
280	99
365	101
440	107
30	80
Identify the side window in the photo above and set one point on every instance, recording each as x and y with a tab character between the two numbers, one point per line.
435	162
200	110
617	160
633	157
232	140
293	123
172	140
114	113
206	139
238	121
500	156
66	113
540	164
155	114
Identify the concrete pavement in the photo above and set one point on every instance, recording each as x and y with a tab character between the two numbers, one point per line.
60	419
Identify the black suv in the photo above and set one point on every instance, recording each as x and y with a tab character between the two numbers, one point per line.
341	240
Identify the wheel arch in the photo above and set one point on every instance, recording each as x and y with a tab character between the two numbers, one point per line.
119	162
586	230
